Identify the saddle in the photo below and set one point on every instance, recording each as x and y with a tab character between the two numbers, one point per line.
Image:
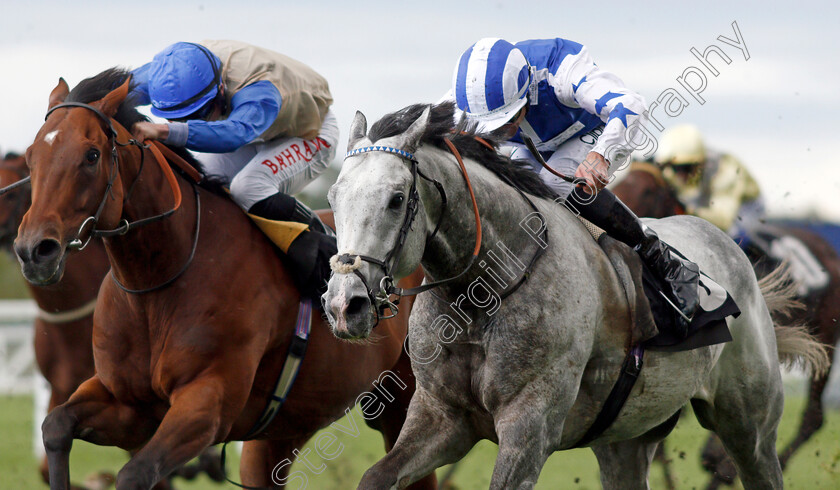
652	316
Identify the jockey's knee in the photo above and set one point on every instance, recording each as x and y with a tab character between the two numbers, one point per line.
247	189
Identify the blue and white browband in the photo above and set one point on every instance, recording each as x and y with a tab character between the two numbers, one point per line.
387	149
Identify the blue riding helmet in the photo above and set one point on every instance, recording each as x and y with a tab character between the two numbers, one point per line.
182	79
491	82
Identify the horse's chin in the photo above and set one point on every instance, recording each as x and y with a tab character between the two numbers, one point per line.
352	330
44	274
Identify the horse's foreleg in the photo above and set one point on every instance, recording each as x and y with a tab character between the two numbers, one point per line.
266	464
193	422
625	464
393	416
91	414
432	436
523	448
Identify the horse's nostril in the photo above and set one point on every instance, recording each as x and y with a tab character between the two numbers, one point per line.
46	250
357	305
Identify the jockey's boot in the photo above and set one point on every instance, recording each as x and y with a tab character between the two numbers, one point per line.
678	275
310	251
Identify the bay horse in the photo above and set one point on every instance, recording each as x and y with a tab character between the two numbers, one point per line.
193	323
528	363
647	193
62	329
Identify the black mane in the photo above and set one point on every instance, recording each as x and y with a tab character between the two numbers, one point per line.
442	125
98	86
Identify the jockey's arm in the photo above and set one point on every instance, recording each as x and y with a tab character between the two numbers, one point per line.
580	83
253	110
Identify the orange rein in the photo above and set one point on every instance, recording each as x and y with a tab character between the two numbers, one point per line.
154	146
457	155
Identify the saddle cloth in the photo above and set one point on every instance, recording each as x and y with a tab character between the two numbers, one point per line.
780	246
652	316
282	233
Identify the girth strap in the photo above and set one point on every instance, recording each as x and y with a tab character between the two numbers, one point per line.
291	367
630	370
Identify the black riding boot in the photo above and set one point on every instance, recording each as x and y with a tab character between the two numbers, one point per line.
679	276
309	254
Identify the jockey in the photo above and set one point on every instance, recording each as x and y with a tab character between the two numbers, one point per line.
714	186
264	122
575	112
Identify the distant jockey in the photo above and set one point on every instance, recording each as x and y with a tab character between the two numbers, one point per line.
265	120
718	188
575	112
714	186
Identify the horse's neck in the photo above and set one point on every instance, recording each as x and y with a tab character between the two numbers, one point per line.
153	252
504	234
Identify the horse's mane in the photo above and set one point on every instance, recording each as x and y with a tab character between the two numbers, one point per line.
98	86
463	134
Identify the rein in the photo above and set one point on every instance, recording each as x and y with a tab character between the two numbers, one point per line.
14	186
158	150
350	262
538	156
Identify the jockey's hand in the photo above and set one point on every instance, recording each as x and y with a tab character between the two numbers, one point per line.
594	169
150	131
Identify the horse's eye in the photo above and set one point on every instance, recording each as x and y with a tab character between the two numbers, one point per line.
396	201
92	156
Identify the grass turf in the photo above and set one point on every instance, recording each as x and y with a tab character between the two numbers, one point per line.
815	466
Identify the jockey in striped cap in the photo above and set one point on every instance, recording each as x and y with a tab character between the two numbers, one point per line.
575	112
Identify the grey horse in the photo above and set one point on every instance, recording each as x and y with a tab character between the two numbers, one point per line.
530	370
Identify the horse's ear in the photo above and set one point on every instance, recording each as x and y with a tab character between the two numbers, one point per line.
59	93
411	138
111	102
358	130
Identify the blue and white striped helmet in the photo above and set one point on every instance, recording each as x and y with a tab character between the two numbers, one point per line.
491	82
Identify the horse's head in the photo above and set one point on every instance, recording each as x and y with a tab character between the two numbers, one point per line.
74	178
380	222
15	202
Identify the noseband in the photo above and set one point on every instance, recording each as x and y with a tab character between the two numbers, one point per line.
347	262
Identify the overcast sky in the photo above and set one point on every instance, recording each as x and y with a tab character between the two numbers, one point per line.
776	111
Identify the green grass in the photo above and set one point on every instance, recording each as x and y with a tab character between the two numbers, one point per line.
12	284
816	466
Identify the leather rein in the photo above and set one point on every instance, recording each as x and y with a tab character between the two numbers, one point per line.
380	299
158	150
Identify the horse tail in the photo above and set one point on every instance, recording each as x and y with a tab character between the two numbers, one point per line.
795	345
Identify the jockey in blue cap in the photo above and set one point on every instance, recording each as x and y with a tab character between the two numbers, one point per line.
264	122
551	91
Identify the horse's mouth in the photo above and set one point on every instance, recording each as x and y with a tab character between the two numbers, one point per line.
44	274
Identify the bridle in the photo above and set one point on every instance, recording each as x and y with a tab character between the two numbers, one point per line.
351	262
157	150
